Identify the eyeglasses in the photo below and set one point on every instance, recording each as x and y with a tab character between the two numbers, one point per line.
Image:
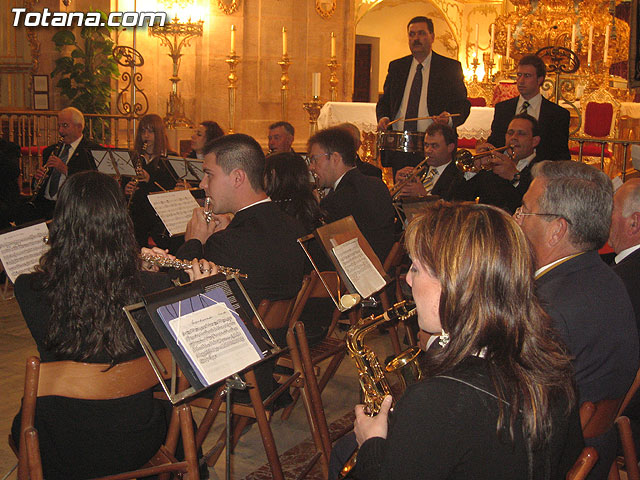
314	158
519	214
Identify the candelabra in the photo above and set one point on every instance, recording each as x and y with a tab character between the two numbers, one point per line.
176	35
475	64
313	110
488	67
284	80
333	78
232	60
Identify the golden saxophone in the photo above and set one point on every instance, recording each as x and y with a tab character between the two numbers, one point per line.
41	182
162	261
371	375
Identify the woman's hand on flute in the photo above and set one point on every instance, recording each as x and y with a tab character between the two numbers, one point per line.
155	251
201	269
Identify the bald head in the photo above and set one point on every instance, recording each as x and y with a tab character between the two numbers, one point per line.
625	219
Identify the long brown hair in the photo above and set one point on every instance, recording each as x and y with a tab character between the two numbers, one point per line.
153	122
488	304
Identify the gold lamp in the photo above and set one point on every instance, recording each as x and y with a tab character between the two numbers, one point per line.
176	35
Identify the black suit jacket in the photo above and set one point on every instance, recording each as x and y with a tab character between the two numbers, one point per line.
81	160
367	168
447	180
9	173
446	90
367	199
260	241
629	271
554	128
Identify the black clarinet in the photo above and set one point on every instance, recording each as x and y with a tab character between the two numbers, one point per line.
42	181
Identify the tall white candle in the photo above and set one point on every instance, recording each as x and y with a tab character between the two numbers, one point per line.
233	39
606	44
590	45
333	44
508	41
315	84
284	42
477	37
493	37
573	38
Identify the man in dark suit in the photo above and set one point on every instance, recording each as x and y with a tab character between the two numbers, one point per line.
365	167
436	90
552	118
332	159
71	155
566	214
440	142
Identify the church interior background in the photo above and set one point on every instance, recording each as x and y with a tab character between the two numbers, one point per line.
248	63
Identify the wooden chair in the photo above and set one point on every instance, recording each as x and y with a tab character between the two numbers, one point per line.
629	460
274	314
583	465
330	347
597	418
90	381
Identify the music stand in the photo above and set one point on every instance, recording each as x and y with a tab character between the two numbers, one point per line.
189	169
350	252
114	161
408	207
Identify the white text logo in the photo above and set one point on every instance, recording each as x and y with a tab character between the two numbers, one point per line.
86	19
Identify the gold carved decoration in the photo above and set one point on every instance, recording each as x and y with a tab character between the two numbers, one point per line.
326	8
32	37
228	7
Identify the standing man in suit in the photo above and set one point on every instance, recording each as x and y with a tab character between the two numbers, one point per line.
440	143
72	154
566	214
552	118
624	238
419	85
332	159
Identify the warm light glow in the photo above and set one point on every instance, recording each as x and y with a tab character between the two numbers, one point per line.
183	10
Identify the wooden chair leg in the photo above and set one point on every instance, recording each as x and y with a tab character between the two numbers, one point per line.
265	429
628	448
209	416
33	454
188	442
331	370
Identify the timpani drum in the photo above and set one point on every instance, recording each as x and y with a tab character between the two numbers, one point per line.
408	142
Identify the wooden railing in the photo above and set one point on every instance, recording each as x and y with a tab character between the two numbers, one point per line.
35	129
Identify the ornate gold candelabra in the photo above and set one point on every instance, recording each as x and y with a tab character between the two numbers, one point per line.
333	78
176	35
488	67
232	60
284	81
475	64
313	110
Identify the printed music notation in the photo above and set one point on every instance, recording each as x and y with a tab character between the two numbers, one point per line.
211	335
174	209
361	272
21	249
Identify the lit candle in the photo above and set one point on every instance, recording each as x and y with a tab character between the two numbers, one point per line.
477	37
284	42
590	45
333	44
315	84
606	44
573	38
508	41
493	33
233	39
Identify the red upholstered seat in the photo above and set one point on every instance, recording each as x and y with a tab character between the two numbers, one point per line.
590	149
597	121
467	142
477	101
504	91
31	150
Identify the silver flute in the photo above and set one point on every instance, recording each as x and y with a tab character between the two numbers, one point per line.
208	211
162	261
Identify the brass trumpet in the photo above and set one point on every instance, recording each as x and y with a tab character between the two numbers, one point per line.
417	170
465	161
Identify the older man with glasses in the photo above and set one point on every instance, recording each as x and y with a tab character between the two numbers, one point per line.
566	214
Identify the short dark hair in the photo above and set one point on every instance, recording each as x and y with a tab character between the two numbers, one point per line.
336	139
422	19
536	62
239	151
535	126
286	125
448	133
211	130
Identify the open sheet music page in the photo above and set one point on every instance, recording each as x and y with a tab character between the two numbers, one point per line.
189	169
21	249
361	272
211	335
174	209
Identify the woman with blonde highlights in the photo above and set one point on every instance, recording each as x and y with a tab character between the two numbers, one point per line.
499	401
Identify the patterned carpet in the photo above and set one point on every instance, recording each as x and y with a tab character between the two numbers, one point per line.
296	460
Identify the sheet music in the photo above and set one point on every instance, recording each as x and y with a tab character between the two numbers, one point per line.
211	334
20	250
105	160
174	209
361	272
179	164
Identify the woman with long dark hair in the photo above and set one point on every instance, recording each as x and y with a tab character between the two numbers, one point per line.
499	401
287	182
206	132
73	308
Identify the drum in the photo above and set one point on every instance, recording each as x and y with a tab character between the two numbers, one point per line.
408	142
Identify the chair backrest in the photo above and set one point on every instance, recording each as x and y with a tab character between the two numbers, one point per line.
313	287
478	94
275	313
597	418
583	465
600	114
630	393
